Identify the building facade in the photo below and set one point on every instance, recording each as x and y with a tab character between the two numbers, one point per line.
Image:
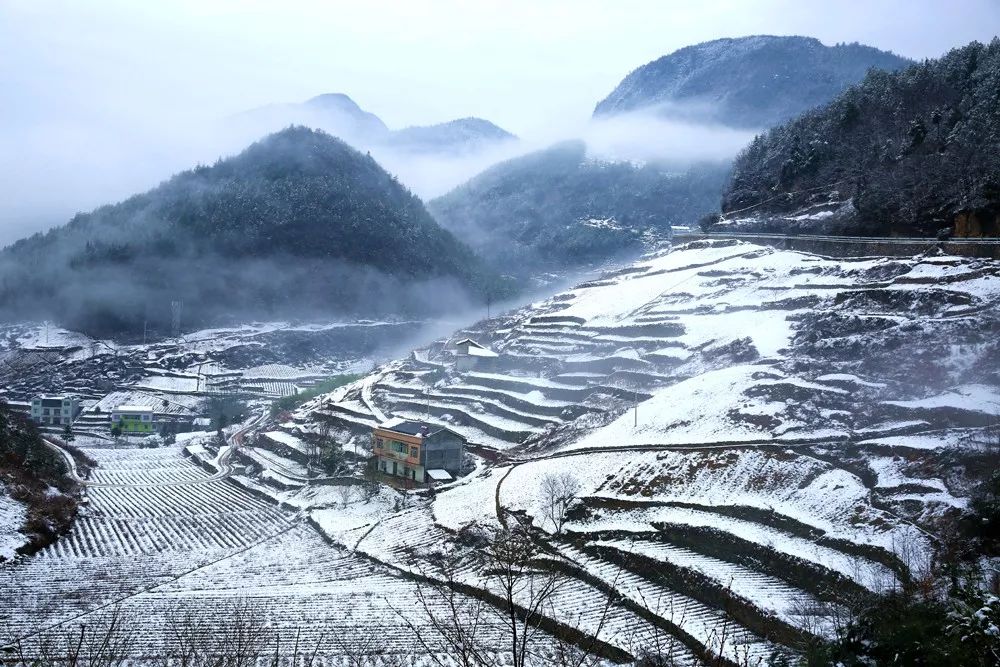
54	410
133	419
410	449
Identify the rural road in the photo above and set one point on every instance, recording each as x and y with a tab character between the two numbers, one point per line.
225	469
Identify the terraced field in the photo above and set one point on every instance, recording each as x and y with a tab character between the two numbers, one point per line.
168	542
760	438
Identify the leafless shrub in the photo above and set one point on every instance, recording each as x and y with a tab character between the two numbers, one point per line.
557	492
106	640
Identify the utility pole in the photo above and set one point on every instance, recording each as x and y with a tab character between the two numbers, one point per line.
635	399
175	317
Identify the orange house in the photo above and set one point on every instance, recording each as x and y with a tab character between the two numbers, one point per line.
416	450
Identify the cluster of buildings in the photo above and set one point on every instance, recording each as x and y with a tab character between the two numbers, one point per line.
63	410
414	452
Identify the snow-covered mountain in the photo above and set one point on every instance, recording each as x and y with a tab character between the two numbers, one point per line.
754	81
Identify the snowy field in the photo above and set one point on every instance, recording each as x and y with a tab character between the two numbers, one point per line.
743	427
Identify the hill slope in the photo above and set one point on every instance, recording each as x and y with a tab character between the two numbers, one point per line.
557	208
297	223
752	432
909	152
753	81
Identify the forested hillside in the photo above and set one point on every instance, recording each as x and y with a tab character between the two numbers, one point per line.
297	224
38	501
911	152
754	81
557	207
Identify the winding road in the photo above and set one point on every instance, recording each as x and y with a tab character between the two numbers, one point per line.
225	469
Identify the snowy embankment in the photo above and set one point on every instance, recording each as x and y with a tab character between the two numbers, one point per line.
12	517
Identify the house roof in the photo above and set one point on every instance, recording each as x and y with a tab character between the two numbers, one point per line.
439	475
469	341
132	408
481	352
419	429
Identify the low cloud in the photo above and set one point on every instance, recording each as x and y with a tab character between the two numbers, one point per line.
647	136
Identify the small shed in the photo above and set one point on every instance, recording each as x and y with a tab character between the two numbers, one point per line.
438	476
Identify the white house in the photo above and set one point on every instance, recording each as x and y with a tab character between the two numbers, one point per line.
469	355
54	410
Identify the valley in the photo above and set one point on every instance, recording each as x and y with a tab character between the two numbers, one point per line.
748	462
705	373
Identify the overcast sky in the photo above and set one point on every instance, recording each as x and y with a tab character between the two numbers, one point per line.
73	74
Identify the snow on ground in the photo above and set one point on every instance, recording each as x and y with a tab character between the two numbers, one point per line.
931	440
799	487
170	384
288	440
352	513
42	336
973	397
605	305
12	517
891	471
644	520
704	410
469	501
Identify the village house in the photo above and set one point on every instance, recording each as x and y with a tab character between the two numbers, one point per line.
417	451
471	355
54	410
133	419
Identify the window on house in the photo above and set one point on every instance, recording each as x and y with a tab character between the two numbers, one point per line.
414	453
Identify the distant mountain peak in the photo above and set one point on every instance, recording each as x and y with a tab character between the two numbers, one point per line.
754	81
461	134
341	116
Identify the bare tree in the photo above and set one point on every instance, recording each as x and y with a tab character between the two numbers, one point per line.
516	606
557	492
660	648
108	640
458	622
346	494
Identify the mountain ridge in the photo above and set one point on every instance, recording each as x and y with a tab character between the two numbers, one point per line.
297	214
910	152
753	81
340	115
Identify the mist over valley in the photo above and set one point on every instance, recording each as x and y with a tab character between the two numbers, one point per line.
531	334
